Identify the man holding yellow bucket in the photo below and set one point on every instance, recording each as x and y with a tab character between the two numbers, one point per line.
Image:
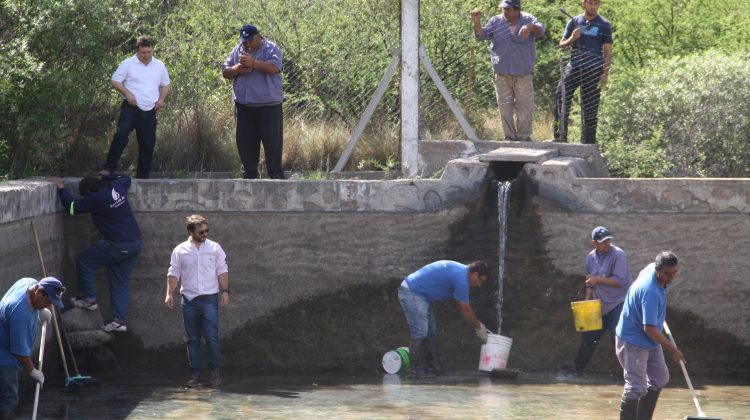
607	279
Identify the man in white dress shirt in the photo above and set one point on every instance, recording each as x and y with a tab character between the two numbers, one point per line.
144	83
200	265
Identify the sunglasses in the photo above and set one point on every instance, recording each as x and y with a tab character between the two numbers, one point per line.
202	232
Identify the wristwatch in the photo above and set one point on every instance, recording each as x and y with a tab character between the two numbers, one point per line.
224	290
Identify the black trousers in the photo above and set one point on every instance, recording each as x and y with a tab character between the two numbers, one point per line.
144	124
256	125
587	78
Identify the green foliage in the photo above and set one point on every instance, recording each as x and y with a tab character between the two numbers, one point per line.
680	117
58	110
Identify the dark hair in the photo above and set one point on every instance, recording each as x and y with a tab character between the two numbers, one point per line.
194	220
479	267
144	41
89	185
665	259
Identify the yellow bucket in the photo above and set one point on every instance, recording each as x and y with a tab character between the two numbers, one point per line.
587	314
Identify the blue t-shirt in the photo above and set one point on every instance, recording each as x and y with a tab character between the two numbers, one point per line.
441	280
645	304
257	88
587	51
18	321
109	208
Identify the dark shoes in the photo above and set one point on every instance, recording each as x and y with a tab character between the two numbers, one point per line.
215	378
194	381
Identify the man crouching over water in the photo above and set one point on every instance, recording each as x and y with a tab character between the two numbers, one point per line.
436	282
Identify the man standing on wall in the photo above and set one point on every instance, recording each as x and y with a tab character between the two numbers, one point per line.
435	282
254	67
640	339
200	265
144	82
105	197
590	37
607	279
513	54
19	316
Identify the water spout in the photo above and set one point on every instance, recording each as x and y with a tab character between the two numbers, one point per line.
503	201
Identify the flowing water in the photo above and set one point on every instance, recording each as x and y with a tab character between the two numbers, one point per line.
503	202
463	395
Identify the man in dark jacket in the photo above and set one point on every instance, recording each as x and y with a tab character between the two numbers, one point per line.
104	196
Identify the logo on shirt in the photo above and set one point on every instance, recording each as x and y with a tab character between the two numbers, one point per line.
118	199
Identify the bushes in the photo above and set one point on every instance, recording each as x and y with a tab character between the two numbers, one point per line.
683	117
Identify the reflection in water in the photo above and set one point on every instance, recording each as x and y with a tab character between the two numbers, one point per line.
142	395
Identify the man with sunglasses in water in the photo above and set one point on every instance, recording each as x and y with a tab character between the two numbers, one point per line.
590	37
200	265
254	67
19	316
105	197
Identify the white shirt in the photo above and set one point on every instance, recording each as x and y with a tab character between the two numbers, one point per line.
142	80
198	269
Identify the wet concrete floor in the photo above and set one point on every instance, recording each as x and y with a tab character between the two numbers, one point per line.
465	395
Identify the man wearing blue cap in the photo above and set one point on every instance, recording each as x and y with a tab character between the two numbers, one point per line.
254	67
19	316
607	279
513	53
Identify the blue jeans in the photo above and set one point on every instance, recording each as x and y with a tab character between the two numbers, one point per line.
144	123
8	388
201	319
119	258
420	317
590	339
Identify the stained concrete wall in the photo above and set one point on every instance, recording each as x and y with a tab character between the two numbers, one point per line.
704	221
314	265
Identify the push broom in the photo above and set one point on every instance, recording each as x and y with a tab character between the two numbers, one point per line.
701	414
73	383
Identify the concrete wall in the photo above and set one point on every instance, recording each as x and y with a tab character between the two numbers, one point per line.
704	221
314	265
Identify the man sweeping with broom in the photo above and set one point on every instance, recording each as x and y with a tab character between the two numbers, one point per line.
640	339
19	316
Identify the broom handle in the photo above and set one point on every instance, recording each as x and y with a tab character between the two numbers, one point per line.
41	360
54	309
685	373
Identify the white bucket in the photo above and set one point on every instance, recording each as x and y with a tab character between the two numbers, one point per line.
395	360
495	352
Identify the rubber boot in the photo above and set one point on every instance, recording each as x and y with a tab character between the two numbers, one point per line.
585	351
647	404
433	357
417	368
628	409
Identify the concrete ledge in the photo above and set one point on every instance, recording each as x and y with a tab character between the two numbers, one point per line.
511	154
26	199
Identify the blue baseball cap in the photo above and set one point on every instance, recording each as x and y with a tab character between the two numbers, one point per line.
507	4
600	234
54	289
248	32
